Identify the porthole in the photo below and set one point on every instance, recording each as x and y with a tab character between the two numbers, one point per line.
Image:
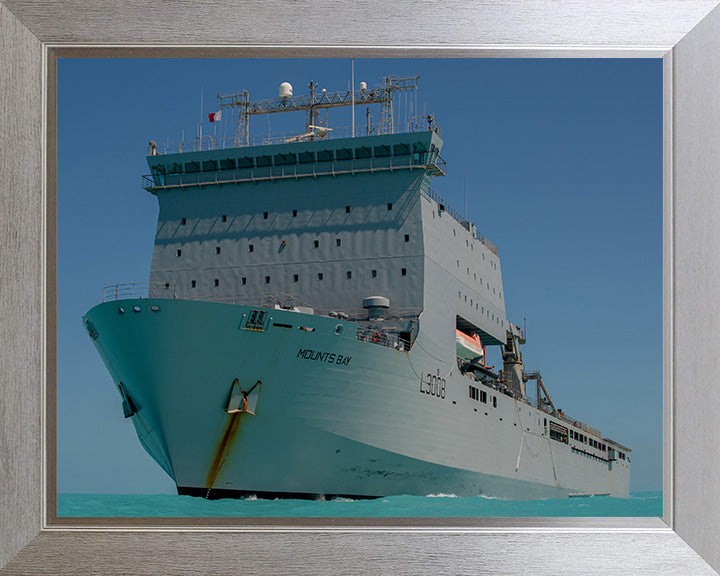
338	329
136	309
155	308
121	310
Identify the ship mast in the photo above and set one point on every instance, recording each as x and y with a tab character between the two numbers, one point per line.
315	102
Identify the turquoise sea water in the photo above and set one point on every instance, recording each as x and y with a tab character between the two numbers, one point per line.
168	505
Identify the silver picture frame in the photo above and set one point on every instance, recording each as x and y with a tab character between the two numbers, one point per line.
684	33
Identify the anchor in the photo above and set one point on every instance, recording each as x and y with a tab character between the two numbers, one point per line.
243	401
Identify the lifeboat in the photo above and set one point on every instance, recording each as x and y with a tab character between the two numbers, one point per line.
468	347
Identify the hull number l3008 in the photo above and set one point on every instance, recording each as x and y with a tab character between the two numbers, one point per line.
433	385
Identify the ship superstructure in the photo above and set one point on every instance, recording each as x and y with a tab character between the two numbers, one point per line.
316	322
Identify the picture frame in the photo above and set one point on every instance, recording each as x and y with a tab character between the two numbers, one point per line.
685	34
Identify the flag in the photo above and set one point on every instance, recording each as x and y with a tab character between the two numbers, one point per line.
215	117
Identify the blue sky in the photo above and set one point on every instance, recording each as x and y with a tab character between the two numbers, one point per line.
563	163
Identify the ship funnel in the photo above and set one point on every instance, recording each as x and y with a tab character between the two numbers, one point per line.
376	306
285	90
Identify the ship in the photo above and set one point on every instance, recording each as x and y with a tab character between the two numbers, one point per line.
316	321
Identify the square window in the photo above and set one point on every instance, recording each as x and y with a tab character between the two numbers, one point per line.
267	279
320	276
224	217
179	253
167	285
389	205
348	274
251	248
244	281
295	278
193	284
338	242
217	249
217	282
407	237
347	209
183	221
373	273
294	213
265	215
316	243
403	271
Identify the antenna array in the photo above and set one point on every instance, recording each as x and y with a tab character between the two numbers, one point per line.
315	102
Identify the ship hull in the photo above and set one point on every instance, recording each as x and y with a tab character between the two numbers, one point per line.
328	414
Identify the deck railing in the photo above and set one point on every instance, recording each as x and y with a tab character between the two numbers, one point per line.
208	142
130	290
